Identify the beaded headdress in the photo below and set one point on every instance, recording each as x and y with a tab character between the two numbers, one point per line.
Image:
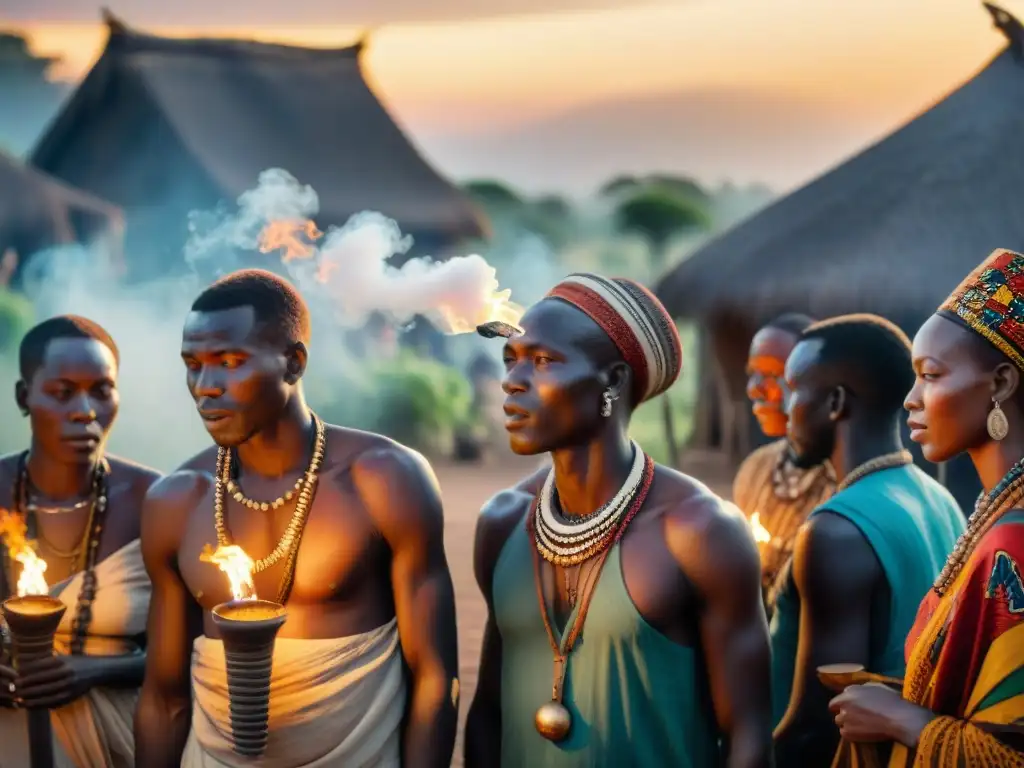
990	301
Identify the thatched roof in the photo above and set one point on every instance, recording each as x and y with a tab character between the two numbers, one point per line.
892	230
229	109
38	212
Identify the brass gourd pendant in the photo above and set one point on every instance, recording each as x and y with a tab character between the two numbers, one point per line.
553	721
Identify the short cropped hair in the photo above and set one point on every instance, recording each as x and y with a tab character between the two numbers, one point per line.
793	323
32	351
870	355
278	306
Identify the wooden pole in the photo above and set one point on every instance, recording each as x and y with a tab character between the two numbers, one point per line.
670	431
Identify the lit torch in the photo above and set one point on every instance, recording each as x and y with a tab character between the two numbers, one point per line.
32	619
248	626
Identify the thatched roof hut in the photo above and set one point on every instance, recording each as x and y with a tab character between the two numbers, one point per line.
38	212
891	231
165	126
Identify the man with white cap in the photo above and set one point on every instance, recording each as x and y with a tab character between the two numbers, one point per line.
636	579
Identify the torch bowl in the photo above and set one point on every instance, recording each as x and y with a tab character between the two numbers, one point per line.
248	629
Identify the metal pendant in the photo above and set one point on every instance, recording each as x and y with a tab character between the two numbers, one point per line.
553	721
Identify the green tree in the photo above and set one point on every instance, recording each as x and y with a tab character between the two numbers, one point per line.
658	216
494	195
16	317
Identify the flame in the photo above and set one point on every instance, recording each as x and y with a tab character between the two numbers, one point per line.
292	236
761	534
31	581
499	307
238	567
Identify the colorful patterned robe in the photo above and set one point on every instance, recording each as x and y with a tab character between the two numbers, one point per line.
965	660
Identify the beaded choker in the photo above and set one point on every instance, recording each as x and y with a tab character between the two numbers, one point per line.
877	464
567	541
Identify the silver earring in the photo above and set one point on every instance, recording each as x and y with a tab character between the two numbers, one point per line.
606	404
998	426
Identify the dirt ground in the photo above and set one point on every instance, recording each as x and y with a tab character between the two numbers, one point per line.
465	487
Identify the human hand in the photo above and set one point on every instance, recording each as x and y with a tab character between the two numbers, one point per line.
7	688
49	683
874	712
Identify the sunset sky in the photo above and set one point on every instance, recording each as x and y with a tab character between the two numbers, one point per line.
450	70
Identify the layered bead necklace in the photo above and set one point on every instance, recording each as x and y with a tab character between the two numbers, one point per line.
989	507
304	490
568	541
987	511
564	542
84	554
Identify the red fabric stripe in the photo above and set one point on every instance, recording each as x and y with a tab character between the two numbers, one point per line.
601	312
673	332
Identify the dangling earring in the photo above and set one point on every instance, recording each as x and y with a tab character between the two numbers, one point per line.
606	404
998	426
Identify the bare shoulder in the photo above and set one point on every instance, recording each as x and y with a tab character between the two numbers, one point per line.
708	536
396	484
204	461
170	501
501	513
138	476
832	556
498	518
8	470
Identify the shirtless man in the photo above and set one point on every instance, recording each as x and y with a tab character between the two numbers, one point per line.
371	553
673	663
68	390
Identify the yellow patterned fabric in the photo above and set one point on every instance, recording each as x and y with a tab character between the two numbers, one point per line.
966	661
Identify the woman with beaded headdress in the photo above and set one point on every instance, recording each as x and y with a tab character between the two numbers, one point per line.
962	701
81	509
619	592
768	483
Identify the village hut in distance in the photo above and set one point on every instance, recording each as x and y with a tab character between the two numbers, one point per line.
891	231
38	212
163	127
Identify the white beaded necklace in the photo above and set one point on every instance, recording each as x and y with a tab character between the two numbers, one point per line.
565	537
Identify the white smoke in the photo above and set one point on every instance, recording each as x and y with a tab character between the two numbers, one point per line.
157	424
349	268
344	280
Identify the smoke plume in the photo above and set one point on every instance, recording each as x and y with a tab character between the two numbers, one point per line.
345	276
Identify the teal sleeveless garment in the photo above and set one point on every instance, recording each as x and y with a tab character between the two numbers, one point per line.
912	524
632	692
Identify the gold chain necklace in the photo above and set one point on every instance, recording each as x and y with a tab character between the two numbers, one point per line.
887	461
305	497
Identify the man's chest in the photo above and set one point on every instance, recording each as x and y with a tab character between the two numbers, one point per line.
322	555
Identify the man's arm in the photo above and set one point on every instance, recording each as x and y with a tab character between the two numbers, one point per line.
483	723
164	712
835	571
721	561
401	493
